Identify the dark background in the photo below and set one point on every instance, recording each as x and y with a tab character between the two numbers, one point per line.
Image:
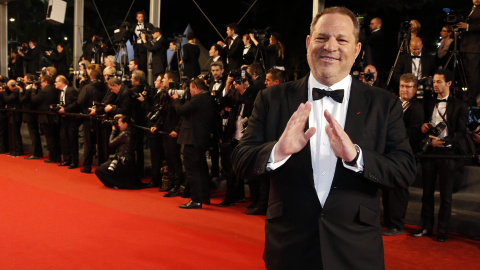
290	18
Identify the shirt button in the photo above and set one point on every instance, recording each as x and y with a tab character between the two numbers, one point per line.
323	173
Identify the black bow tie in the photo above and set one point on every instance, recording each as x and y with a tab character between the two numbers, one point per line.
413	56
336	95
441	100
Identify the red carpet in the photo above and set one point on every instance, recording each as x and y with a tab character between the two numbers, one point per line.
56	218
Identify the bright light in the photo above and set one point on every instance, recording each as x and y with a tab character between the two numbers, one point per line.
49	38
66	38
12	19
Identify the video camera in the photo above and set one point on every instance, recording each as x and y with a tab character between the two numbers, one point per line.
261	35
453	17
405	26
24	48
434	131
120	35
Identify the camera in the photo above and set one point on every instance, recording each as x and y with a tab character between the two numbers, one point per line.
434	131
452	16
79	72
473	124
425	88
55	107
369	76
180	93
405	26
178	38
147	32
238	75
244	124
113	165
111	122
261	35
120	35
24	48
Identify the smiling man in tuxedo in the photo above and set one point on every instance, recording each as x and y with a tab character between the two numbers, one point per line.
326	157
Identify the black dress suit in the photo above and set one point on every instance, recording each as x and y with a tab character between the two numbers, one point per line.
191	67
32	121
345	232
159	55
234	52
139	48
375	50
69	128
60	62
444	168
49	123
249	56
404	65
471	55
395	201
12	101
195	130
32	60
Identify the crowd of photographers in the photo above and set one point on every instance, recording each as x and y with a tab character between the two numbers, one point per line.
119	113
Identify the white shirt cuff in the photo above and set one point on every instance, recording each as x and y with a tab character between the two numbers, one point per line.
272	165
358	167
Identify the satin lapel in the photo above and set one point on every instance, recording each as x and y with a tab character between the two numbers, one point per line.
298	93
358	108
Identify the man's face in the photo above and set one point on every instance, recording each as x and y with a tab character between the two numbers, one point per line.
31	45
440	86
115	88
134	81
59	49
122	125
156	35
230	32
245	41
373	24
332	48
212	51
132	66
476	2
166	82
416	48
140	18
59	85
407	90
216	72
269	81
172	47
158	83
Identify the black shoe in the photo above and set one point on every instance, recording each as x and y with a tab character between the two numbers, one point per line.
422	232
442	237
152	184
85	170
251	206
206	201
51	161
191	205
32	157
256	211
166	189
73	166
392	231
65	163
225	203
171	193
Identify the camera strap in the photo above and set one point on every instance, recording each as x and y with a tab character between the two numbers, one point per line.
442	115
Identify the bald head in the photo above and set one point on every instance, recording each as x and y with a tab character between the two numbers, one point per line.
416	46
375	23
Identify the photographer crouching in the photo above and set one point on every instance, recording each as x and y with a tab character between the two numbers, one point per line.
119	172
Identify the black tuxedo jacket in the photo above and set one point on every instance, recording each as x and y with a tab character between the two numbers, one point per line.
191	67
43	99
404	65
159	55
471	38
249	57
413	119
345	233
26	104
457	118
32	60
12	101
234	53
60	62
375	49
197	123
133	36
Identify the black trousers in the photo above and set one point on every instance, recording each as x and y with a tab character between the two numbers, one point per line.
235	186
395	202
196	169
444	169
140	53
69	140
52	135
174	162
34	134
15	138
122	177
3	132
89	140
471	64
156	156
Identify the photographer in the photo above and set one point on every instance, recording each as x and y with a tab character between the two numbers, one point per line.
195	133
31	57
68	124
370	77
120	171
139	49
11	97
240	99
59	60
446	46
249	51
445	130
158	48
32	86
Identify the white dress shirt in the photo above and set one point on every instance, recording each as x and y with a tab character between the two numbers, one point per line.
323	159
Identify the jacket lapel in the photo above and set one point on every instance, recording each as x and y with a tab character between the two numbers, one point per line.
358	105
